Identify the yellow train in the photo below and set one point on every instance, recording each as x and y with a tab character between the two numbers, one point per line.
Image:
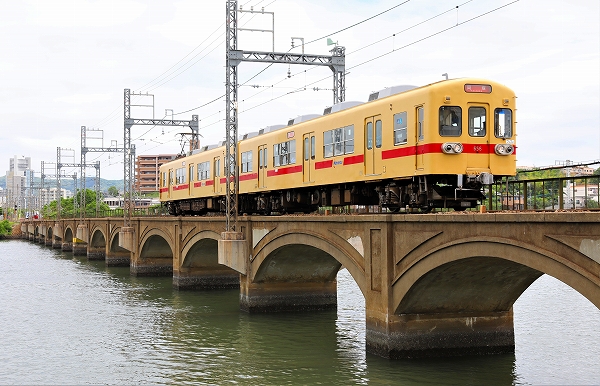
426	147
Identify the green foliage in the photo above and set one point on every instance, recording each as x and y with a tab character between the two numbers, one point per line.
68	206
113	191
5	227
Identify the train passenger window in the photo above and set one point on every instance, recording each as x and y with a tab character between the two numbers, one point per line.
328	144
260	158
265	158
306	149
180	176
164	179
247	161
203	171
284	153
400	128
338	142
378	134
191	173
369	135
313	148
171	177
420	123
450	121
349	139
218	167
477	121
503	123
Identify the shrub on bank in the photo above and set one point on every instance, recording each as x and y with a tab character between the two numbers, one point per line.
5	228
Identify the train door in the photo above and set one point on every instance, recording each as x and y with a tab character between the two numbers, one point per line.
170	184
190	178
309	156
217	175
373	143
263	156
479	136
420	140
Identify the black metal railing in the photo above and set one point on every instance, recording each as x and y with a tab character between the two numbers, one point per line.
545	194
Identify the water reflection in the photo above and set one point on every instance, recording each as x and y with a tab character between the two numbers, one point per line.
68	320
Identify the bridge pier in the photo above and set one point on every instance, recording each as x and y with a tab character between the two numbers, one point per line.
420	336
285	297
96	253
79	249
118	258
205	278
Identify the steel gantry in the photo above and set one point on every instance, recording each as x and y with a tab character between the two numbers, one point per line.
336	62
129	149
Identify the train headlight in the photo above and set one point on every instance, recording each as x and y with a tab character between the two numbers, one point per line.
504	149
452	148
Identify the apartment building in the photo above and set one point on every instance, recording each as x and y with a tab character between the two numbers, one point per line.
146	171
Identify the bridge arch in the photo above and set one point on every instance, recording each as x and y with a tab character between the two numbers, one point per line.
97	239
323	255
481	275
156	244
68	234
201	250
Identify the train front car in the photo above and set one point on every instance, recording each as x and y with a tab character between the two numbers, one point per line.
465	139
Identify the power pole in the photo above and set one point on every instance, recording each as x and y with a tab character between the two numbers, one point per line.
336	62
129	150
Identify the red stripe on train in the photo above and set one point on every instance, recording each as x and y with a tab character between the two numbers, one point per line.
282	171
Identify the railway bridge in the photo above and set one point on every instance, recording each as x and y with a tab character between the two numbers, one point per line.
434	284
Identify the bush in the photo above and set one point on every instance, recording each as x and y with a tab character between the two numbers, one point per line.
5	228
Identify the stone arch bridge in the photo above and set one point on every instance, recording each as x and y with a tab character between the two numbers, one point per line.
434	285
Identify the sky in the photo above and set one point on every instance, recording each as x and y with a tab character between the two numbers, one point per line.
65	64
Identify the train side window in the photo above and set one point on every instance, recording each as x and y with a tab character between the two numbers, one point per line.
306	149
170	177
420	123
477	121
348	139
400	128
378	133
369	135
313	148
450	121
203	170
247	161
503	123
164	179
338	142
265	158
284	153
328	144
191	173
218	167
260	158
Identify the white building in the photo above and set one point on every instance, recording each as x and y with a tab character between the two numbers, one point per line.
17	181
49	195
579	195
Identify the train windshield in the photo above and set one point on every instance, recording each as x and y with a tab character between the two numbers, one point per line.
450	121
503	123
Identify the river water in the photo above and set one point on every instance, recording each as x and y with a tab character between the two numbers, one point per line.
65	320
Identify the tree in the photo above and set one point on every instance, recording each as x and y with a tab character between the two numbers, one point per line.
113	191
5	228
67	206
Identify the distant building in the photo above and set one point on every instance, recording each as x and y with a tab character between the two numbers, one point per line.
579	195
18	192
49	195
146	171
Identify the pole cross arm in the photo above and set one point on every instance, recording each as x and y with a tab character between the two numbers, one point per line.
164	122
335	62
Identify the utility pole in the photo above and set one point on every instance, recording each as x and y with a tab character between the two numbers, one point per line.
129	149
336	62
